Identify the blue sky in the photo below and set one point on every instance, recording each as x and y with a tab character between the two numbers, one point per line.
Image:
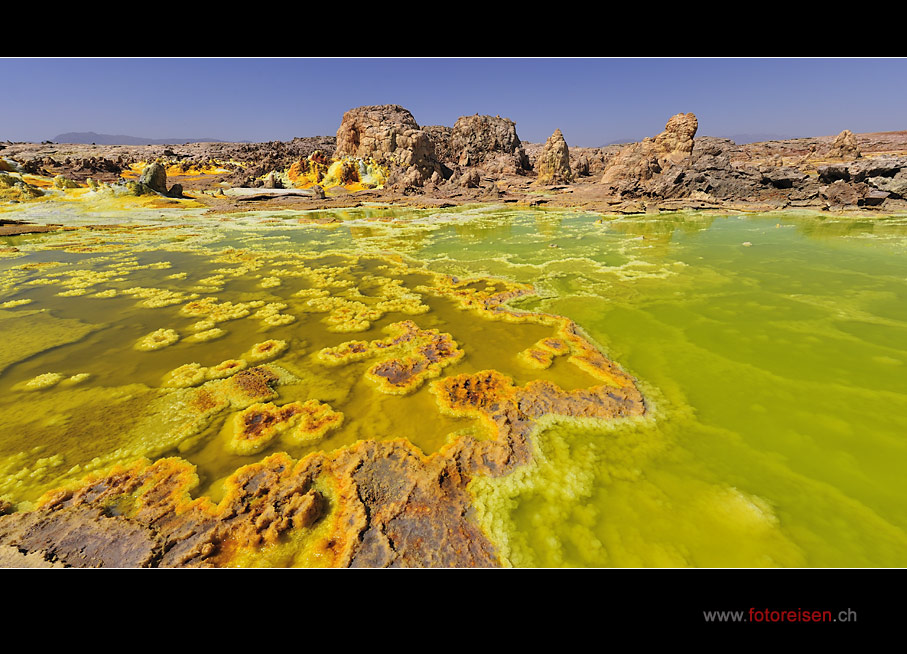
592	101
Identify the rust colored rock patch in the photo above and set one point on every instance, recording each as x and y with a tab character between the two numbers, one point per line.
420	354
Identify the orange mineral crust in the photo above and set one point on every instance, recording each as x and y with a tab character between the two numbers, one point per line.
371	504
422	354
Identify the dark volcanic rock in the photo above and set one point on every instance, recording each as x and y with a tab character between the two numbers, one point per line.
877	167
874	197
833	172
784	177
896	185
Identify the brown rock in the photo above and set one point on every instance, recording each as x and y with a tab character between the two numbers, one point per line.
634	165
489	142
843	194
630	171
845	147
440	136
155	178
82	537
675	144
470	178
553	164
388	134
272	181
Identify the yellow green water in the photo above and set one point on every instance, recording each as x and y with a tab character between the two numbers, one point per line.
775	371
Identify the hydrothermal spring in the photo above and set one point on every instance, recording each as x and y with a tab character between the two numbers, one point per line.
770	350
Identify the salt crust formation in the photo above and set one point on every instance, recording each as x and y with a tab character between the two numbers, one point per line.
374	503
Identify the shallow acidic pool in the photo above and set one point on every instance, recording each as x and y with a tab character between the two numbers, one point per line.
771	350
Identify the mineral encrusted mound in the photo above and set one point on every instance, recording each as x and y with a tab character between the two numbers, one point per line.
489	142
390	135
845	147
553	164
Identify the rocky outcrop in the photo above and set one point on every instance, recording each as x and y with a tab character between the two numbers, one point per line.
640	162
154	179
675	144
553	163
487	142
864	183
708	173
440	135
663	171
841	194
390	135
896	184
632	168
845	147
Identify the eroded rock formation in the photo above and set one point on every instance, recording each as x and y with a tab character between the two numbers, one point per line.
845	147
640	162
553	163
481	158
487	142
388	134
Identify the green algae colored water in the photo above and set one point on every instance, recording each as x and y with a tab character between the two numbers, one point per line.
772	350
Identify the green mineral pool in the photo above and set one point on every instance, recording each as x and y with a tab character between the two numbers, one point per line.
771	349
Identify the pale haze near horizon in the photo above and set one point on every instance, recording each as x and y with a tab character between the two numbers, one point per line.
592	101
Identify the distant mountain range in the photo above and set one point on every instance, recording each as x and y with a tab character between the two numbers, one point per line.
120	139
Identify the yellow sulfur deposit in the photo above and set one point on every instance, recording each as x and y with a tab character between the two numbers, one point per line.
420	355
542	354
218	397
207	335
226	368
157	340
265	351
315	419
255	427
14	303
212	310
41	382
185	376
